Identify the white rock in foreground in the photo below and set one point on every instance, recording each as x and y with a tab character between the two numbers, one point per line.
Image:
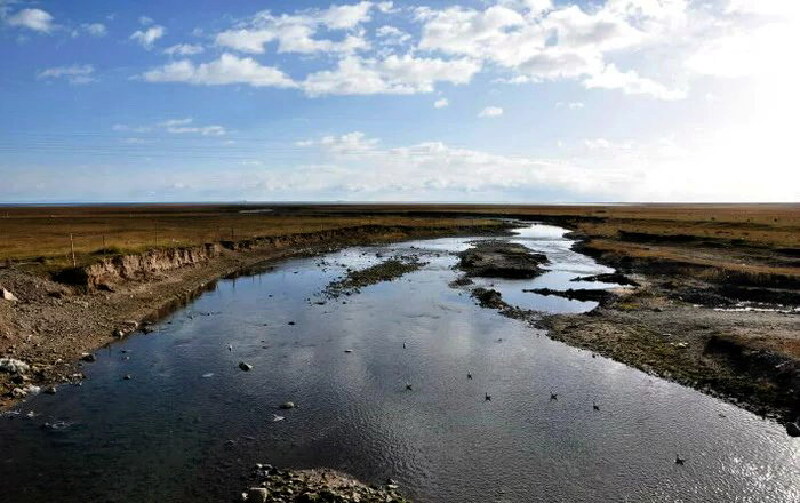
13	366
6	295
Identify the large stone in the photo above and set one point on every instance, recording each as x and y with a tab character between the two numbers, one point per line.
13	366
257	494
6	295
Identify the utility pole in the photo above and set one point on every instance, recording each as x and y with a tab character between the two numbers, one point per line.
72	249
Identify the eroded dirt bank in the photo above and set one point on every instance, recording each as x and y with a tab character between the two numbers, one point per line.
52	326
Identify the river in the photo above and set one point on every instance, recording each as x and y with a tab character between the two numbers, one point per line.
189	422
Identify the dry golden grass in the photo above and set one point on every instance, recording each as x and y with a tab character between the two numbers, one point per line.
30	234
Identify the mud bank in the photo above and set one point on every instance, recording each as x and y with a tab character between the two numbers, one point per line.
736	336
54	326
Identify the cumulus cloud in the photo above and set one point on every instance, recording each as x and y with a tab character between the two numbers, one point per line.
491	112
228	69
652	48
74	74
297	33
146	38
391	35
538	41
32	19
441	103
391	75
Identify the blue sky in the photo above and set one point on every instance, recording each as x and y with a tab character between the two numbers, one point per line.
501	100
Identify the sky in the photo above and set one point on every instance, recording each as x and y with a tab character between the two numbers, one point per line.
525	101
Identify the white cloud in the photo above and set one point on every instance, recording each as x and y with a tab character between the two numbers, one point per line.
297	33
228	69
491	112
204	130
573	105
147	37
184	50
175	126
537	41
145	20
441	103
95	29
631	83
75	74
33	19
391	35
391	75
360	168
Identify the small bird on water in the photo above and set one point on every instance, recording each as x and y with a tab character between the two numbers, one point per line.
595	406
679	460
404	345
408	386
488	397
553	396
230	347
469	376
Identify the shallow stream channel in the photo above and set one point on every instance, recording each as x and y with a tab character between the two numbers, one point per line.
189	423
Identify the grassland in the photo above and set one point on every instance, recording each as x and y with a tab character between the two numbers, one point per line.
45	237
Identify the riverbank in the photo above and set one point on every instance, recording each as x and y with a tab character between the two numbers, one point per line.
270	484
52	327
672	322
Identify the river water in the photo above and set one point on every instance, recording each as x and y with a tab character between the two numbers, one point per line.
189	422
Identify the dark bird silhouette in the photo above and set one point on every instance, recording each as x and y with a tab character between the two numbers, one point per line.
679	460
595	406
553	396
488	397
469	376
408	386
404	345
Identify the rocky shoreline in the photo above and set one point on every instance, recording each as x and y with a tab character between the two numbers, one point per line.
272	485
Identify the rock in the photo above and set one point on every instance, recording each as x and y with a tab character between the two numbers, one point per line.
50	390
88	357
127	377
287	405
132	324
793	429
257	494
6	295
488	297
245	366
13	366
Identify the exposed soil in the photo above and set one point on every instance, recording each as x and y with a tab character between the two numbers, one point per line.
388	270
739	343
53	327
501	259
